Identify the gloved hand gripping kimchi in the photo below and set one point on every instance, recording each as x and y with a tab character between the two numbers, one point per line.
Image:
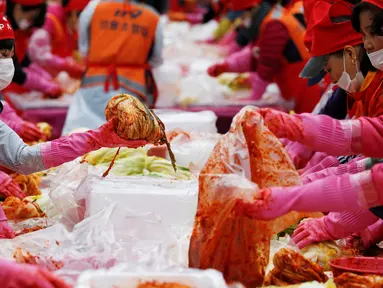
247	158
136	121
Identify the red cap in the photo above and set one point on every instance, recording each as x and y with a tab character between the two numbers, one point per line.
28	2
377	3
237	5
6	31
3	7
329	30
76	5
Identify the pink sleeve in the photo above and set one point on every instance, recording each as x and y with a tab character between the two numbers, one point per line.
343	224
299	154
39	51
240	61
318	162
353	167
372	137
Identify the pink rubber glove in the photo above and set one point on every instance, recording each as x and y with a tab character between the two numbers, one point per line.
318	162
241	61
258	85
319	132
335	193
299	154
14	275
36	82
217	69
228	38
68	148
8	187
6	231
334	226
369	237
26	130
74	70
352	167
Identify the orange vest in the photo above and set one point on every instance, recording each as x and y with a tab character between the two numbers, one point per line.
297	8
288	80
60	43
369	101
121	37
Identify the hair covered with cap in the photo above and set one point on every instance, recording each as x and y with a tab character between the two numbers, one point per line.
376	8
329	31
6	30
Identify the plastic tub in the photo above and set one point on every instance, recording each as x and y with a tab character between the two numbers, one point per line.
357	265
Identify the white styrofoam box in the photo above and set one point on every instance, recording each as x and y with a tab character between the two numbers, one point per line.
202	122
150	213
193	278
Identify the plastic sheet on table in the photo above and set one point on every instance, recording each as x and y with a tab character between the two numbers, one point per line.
63	183
36	100
200	90
193	149
150	213
168	77
91	245
222	238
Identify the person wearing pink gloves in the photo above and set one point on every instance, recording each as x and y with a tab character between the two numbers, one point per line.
25	17
54	45
14	275
349	194
278	55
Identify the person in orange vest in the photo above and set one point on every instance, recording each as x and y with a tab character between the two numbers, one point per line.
278	56
121	41
54	46
25	17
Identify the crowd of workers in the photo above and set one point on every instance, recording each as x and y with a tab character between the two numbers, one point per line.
311	49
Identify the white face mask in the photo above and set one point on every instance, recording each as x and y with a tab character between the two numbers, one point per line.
7	70
345	81
24	24
376	59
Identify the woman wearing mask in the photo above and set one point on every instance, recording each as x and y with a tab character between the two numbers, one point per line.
349	194
25	16
54	47
278	56
21	158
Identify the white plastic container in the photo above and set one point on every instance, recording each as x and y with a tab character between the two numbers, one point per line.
190	277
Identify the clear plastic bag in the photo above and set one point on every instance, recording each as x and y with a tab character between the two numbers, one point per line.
91	245
193	149
223	239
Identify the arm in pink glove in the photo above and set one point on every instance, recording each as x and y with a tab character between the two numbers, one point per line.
39	51
325	134
352	167
14	275
258	86
24	159
332	194
240	61
372	235
8	187
334	226
299	154
26	130
34	81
